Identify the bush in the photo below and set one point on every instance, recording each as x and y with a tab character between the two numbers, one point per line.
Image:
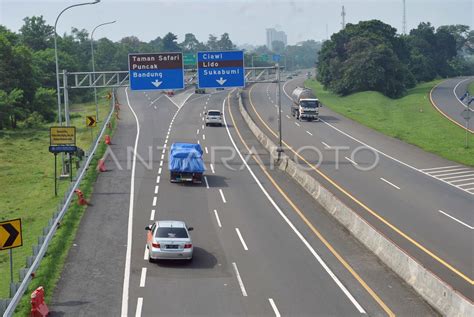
34	120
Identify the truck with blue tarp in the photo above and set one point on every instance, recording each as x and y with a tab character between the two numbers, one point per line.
185	163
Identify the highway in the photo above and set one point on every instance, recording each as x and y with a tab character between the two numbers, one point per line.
445	97
262	246
420	201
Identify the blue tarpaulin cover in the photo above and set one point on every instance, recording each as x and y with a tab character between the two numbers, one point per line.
186	157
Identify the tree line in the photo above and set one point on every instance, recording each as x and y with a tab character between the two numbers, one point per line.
371	55
28	71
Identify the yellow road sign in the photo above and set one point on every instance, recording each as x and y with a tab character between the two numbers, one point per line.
91	121
62	135
10	234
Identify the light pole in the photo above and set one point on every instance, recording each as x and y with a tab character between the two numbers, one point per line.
93	66
57	65
280	148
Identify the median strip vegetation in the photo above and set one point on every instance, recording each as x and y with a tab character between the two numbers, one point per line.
411	119
27	170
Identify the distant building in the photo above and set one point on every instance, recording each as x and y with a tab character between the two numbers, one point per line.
274	35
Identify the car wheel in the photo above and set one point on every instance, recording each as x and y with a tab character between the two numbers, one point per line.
150	260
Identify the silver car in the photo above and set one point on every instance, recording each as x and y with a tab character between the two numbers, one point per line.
170	240
213	117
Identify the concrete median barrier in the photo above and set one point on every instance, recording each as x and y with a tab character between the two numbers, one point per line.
436	292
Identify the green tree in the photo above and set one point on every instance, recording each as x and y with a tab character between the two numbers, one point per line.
8	105
191	44
36	34
212	44
224	43
170	44
278	47
45	102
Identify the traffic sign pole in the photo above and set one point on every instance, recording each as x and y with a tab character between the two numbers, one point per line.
279	112
11	271
56	174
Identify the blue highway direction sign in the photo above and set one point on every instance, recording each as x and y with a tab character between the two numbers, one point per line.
156	71
221	69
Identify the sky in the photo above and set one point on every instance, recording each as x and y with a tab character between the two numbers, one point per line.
244	20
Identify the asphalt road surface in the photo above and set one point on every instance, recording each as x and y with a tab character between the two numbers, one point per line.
446	97
254	255
420	201
262	245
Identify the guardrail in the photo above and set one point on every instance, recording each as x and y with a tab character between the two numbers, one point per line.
8	306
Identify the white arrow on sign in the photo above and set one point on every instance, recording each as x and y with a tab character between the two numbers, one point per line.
221	81
156	83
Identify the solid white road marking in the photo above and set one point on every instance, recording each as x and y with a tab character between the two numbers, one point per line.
156	189
290	224
154	201
391	184
297	124
239	279
205	148
205	180
212	168
152	215
309	132
222	195
455	219
138	312
464	185
350	160
143	277
217	218
275	309
159	172
325	144
147	254
241	239
128	254
454	92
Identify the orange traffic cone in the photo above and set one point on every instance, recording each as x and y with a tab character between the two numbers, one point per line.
101	166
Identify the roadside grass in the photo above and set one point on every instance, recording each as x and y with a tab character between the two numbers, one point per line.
27	179
470	88
51	266
411	119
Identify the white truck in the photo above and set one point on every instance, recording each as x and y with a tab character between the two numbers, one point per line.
305	105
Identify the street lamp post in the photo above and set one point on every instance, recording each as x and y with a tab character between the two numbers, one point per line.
93	67
57	64
280	148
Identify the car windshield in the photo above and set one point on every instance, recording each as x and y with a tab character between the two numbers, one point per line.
214	113
170	232
309	103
